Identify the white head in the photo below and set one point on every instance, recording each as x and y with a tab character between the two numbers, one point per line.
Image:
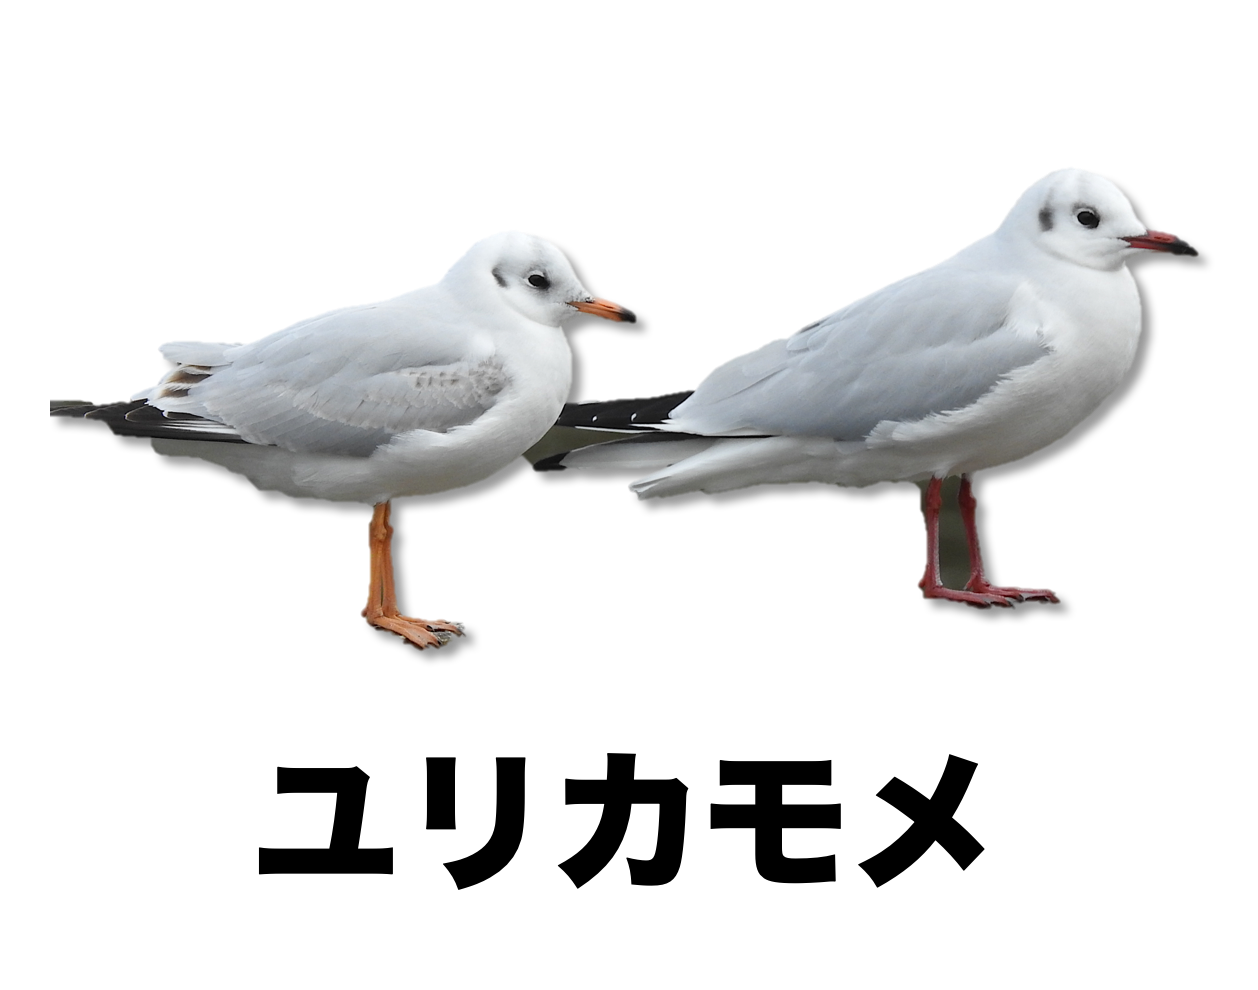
1086	219
530	276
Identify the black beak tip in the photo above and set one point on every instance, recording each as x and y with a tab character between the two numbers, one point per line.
628	316
1183	247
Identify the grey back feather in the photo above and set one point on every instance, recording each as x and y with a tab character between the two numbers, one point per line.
933	342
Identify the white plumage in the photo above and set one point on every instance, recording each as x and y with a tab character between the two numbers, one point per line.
983	359
433	390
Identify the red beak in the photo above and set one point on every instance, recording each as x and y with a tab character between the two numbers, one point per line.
1155	240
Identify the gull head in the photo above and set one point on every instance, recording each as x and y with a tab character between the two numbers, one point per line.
1086	219
530	276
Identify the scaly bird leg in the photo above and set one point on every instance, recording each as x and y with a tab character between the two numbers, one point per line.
380	610
980	593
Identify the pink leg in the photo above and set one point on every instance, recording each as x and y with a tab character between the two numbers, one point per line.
979	581
930	584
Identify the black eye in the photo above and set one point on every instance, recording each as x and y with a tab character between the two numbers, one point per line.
539	281
1087	218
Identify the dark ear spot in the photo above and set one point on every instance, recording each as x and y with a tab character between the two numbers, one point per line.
1046	219
499	279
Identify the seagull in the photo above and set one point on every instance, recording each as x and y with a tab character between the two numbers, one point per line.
981	360
433	390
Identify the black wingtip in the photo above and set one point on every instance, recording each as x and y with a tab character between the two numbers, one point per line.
69	408
137	418
552	463
621	414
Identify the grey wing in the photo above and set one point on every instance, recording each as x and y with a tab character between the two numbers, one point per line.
344	383
934	342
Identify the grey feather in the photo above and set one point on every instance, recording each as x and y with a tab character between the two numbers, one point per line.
293	391
930	343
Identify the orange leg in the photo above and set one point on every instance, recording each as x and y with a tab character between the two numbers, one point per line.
381	610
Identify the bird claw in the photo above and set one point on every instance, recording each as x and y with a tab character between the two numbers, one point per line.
988	595
446	631
989	600
1015	594
420	633
972	598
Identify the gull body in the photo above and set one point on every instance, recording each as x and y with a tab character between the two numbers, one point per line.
981	360
433	390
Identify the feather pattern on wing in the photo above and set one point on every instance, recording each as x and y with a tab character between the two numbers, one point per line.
885	357
293	391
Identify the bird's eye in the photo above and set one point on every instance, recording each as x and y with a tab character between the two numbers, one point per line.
1087	218
539	281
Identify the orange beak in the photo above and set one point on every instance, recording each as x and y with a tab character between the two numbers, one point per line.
607	310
